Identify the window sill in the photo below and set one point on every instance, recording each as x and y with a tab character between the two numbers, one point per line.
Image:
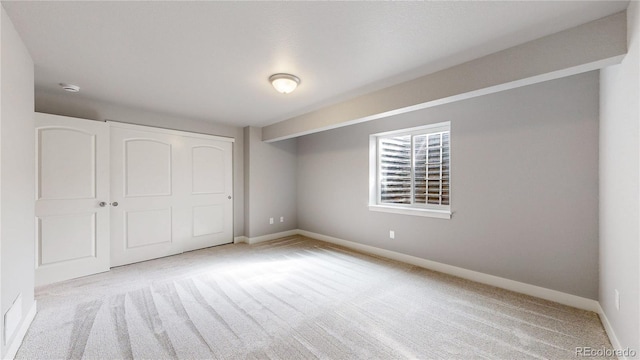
439	214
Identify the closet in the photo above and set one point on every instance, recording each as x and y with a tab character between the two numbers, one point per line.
111	194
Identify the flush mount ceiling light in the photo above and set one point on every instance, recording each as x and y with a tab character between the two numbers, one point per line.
284	83
70	87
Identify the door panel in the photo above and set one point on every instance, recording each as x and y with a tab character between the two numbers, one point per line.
147	167
60	151
78	232
208	220
210	194
144	183
208	170
72	230
147	227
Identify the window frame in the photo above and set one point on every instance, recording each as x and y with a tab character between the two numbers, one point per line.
375	203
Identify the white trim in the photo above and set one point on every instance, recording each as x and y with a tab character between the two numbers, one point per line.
263	238
12	350
417	130
609	329
240	239
123	125
520	287
439	214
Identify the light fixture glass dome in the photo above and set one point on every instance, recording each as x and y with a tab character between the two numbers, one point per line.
284	83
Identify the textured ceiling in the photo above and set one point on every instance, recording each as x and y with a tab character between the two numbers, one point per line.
211	60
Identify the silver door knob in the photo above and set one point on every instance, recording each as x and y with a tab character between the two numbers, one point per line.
115	203
102	204
229	197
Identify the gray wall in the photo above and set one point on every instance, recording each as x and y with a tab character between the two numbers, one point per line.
524	186
619	184
66	104
270	178
17	183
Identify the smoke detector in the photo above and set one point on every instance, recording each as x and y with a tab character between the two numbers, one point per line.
70	87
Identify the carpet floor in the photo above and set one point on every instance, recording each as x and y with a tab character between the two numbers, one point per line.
297	298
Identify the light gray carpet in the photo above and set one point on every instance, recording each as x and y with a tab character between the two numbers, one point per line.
296	298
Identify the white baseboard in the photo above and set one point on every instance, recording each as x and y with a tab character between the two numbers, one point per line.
12	350
263	238
520	287
609	329
240	239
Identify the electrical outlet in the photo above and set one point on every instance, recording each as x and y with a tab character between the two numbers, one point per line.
392	234
617	298
270	221
281	218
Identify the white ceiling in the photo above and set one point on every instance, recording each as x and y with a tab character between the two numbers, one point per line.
211	60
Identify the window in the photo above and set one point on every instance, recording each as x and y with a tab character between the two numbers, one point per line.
410	171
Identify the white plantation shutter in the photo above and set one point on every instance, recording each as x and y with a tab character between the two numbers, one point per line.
395	170
414	168
431	176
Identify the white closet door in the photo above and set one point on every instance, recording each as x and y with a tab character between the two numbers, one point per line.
173	192
72	229
145	194
209	193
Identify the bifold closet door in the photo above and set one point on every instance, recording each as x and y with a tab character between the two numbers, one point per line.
72	182
173	193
